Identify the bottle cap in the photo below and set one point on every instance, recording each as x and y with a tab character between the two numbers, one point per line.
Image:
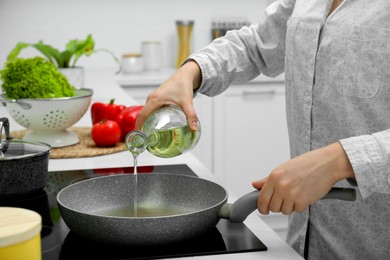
185	22
131	55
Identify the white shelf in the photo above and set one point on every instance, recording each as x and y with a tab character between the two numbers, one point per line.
146	78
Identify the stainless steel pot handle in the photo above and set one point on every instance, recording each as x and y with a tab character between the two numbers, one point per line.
242	207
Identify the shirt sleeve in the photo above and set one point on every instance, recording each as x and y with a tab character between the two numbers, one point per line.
370	159
243	54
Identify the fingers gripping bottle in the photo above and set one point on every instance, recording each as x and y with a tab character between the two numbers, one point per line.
165	133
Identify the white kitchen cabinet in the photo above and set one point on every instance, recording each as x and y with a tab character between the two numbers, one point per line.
250	133
250	138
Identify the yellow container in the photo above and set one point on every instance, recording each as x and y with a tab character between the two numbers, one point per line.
20	236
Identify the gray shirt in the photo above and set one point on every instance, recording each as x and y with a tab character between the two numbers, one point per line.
337	71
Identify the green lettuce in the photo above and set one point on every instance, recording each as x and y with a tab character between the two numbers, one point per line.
34	78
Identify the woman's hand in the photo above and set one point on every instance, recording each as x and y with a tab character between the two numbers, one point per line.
301	181
177	90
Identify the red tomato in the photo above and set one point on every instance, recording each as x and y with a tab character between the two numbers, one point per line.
106	133
126	119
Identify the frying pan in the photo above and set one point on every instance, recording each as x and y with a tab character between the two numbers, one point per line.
94	208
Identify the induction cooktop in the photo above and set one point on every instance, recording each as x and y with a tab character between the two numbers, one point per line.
58	242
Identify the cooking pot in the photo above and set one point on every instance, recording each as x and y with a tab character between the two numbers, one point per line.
23	164
183	207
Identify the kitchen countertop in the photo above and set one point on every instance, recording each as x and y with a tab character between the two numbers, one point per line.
104	86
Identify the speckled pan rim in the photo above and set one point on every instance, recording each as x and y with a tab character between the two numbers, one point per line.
223	201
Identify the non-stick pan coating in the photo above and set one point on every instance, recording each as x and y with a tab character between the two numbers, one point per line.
197	200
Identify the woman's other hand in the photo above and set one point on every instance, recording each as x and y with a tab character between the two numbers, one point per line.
303	180
177	90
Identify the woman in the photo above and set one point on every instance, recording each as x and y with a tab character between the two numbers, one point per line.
336	60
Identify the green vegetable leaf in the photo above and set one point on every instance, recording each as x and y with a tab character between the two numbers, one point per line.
15	51
48	51
66	57
81	47
74	50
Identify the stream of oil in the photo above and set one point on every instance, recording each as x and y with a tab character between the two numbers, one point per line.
135	195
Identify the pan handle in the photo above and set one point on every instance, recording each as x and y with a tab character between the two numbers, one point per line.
242	207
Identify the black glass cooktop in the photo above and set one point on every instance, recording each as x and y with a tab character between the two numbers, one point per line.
58	242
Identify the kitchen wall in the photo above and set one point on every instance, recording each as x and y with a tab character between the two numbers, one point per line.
117	25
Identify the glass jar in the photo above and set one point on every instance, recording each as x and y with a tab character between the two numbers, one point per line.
165	133
132	63
184	30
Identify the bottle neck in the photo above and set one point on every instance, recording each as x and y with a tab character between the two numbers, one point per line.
136	142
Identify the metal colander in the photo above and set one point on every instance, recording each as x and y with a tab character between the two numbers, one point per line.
48	118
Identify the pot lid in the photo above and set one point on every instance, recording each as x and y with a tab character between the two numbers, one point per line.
17	149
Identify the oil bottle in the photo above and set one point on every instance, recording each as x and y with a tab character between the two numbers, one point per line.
165	133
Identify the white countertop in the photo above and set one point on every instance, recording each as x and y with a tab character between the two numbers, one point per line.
105	88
